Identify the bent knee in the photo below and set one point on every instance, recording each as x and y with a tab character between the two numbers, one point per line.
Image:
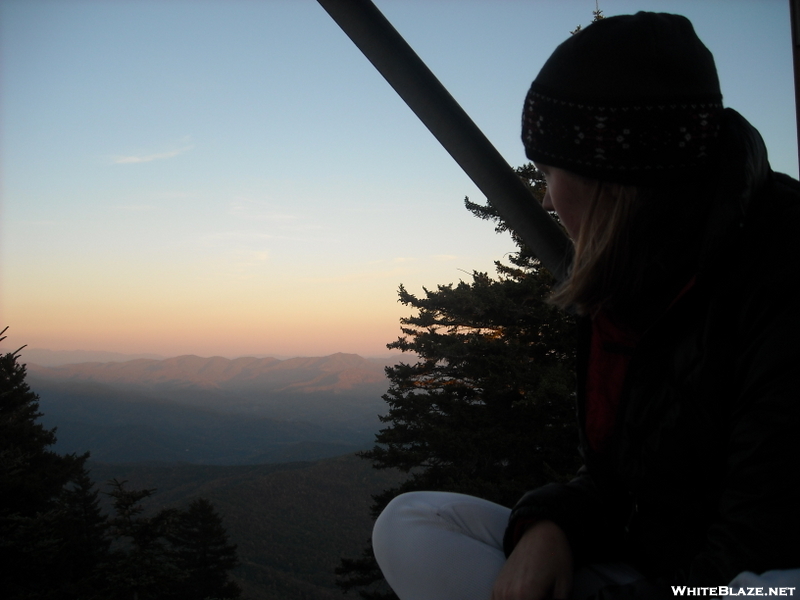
394	518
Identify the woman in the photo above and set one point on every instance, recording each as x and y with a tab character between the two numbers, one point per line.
685	270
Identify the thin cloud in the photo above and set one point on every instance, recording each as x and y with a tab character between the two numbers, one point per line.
174	195
254	210
359	276
237	236
135	207
126	160
240	264
396	260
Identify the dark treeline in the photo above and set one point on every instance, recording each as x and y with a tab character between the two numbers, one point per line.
55	542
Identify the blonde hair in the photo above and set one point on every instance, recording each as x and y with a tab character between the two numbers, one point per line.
635	249
604	267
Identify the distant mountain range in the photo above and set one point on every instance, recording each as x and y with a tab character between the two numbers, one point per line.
213	410
53	358
336	372
205	427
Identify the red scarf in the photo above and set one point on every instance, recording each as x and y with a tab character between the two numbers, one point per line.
610	354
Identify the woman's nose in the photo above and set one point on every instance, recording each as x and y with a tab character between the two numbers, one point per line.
546	203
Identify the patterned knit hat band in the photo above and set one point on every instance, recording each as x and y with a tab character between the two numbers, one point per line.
629	99
638	143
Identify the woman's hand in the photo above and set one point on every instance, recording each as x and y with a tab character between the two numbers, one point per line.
540	567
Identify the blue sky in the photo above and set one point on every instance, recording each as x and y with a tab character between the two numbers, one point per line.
233	177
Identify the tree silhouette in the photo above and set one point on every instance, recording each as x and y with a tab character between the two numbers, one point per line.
49	520
139	566
173	554
84	529
56	544
486	406
200	548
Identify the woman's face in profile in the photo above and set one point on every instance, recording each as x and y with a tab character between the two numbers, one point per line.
569	195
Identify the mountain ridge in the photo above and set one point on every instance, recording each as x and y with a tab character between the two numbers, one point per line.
213	410
335	372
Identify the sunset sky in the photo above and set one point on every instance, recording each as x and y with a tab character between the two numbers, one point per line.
232	177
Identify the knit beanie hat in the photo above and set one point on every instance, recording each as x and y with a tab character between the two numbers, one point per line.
629	99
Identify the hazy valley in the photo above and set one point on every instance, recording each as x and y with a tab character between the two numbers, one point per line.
269	442
215	410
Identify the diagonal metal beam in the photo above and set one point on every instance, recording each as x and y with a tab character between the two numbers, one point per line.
447	121
794	13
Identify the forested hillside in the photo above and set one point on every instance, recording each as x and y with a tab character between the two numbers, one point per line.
292	522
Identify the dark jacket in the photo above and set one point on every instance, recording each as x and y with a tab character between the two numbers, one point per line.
703	478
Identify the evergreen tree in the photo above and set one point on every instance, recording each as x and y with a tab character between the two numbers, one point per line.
140	566
597	15
84	529
55	542
31	475
38	512
174	554
486	406
200	548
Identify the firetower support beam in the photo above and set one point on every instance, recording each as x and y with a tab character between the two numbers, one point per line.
432	103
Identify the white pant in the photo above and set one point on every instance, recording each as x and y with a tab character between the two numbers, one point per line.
442	546
445	546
